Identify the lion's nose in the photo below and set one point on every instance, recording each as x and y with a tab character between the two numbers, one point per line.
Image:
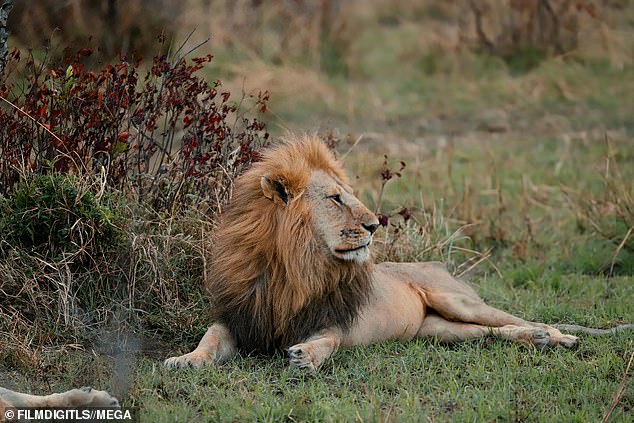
372	227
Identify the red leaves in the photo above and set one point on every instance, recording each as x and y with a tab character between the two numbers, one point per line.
78	69
387	173
103	116
123	137
201	60
262	101
383	220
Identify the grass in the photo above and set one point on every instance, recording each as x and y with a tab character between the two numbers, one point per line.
532	204
422	381
557	279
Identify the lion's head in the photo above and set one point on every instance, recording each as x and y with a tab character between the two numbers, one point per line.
291	254
342	226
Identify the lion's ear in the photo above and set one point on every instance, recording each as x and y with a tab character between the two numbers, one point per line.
275	189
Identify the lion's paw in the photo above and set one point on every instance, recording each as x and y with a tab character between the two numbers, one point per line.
540	338
193	359
567	341
301	356
87	396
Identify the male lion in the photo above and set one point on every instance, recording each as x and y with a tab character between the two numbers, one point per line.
292	269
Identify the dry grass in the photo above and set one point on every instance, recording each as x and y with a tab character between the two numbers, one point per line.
610	215
111	27
343	56
148	282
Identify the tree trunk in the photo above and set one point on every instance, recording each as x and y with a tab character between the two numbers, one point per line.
5	8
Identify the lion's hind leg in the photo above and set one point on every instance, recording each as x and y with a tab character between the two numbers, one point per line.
447	331
456	301
460	308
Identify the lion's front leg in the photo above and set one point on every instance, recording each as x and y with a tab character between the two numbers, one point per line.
216	346
84	397
311	353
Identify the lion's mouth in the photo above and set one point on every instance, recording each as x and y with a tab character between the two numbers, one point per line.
359	254
350	250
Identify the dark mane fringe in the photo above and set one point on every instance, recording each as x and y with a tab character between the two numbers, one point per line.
270	280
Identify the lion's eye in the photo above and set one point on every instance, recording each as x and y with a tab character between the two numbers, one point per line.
336	198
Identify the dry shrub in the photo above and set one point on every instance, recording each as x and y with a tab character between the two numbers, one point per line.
150	283
549	26
57	235
115	26
317	34
524	32
165	265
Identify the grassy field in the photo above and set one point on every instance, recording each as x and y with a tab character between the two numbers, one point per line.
519	179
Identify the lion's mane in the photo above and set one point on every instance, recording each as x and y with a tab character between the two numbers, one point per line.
272	282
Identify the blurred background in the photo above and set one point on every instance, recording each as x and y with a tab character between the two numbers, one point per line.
413	70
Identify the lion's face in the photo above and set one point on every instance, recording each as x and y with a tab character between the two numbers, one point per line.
343	224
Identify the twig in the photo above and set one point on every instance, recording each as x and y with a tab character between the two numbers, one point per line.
32	118
619	248
482	257
178	50
352	147
191	50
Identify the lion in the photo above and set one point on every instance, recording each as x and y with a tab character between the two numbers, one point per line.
292	269
75	398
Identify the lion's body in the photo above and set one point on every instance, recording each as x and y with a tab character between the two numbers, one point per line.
292	269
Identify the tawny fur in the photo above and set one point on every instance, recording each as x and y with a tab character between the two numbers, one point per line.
292	270
75	398
270	281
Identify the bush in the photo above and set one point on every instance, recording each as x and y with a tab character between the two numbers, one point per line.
110	179
526	32
58	216
169	138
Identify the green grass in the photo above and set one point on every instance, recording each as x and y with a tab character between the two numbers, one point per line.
476	382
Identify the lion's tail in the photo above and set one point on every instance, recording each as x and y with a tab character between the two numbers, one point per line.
593	331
